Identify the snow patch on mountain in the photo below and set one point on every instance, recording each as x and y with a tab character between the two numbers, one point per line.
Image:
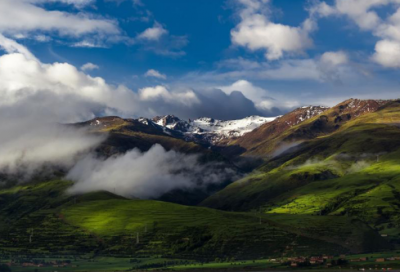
210	130
311	111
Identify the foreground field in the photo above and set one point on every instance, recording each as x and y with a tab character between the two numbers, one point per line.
375	261
43	220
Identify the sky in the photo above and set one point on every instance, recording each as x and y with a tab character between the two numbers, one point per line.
226	59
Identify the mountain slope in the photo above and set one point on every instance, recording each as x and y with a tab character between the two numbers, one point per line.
303	124
259	140
126	134
352	171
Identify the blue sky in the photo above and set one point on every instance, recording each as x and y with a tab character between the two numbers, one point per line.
187	57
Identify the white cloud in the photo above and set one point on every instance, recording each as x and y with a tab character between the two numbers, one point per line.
76	3
31	144
11	46
387	53
158	93
322	9
257	32
89	67
329	67
89	44
334	58
146	175
36	97
153	34
252	92
155	73
70	95
260	97
23	16
22	78
240	63
42	38
360	12
363	13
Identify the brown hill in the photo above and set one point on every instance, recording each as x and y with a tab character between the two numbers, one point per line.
303	124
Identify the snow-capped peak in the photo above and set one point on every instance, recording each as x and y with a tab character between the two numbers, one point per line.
210	130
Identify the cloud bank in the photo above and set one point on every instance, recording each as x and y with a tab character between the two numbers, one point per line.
37	99
145	175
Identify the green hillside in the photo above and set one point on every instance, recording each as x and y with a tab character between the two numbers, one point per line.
352	172
40	219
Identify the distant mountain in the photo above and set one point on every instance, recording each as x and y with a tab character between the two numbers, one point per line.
211	131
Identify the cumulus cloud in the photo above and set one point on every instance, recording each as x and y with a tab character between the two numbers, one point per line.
260	97
89	44
153	33
364	14
22	78
155	73
334	58
36	98
89	67
187	98
331	66
257	32
387	53
146	175
158	40
74	96
256	94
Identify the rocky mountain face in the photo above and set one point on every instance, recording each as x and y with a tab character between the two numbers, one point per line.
273	129
211	131
302	124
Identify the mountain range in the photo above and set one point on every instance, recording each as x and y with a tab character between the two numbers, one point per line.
326	181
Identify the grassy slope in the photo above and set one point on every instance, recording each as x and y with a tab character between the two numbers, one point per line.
102	223
338	174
